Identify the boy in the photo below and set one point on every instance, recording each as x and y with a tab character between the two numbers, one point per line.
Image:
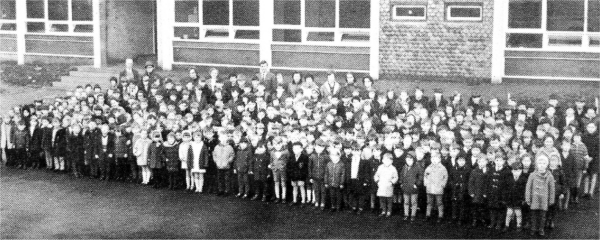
385	177
558	176
121	153
515	187
76	150
223	156
278	165
435	179
46	143
259	168
478	184
411	178
359	173
459	179
539	194
20	140
335	174
243	157
104	147
297	170
317	165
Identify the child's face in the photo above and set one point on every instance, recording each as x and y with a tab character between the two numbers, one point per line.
541	163
387	161
171	140
297	149
554	162
461	162
517	172
435	159
499	162
526	161
410	161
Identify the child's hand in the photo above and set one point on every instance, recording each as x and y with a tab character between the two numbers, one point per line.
485	196
128	142
341	186
234	171
125	155
109	155
365	184
326	185
269	166
472	195
311	180
96	156
415	186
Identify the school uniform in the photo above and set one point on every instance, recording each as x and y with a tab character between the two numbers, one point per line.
297	167
335	174
459	181
90	163
359	181
479	181
515	197
496	198
104	154
170	156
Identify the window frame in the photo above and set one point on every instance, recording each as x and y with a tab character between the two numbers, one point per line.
203	29
548	35
409	18
72	24
338	32
449	17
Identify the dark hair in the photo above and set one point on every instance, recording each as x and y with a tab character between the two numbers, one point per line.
368	77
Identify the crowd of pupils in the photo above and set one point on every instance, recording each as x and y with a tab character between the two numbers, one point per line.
335	146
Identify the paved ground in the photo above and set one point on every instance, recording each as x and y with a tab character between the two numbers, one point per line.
39	204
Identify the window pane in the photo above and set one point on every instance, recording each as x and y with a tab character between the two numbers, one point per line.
287	12
565	15
8	9
594	41
84	28
465	12
355	37
186	11
35	9
58	9
36	27
320	36
187	33
247	34
287	35
246	13
524	40
8	27
217	33
525	14
406	11
215	12
59	28
564	41
82	10
355	14
593	16
320	13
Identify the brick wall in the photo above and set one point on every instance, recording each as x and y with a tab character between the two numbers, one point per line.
130	25
435	49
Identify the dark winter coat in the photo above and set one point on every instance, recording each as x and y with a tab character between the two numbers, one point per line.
110	145
20	139
46	142
317	165
242	159
260	166
515	190
409	177
459	182
75	148
60	140
155	156
335	174
297	169
497	186
35	143
170	156
569	169
364	179
478	185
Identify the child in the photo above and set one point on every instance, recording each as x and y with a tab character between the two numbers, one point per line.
435	179
76	150
316	166
335	174
47	136
20	140
104	147
385	177
259	168
558	176
410	179
223	156
35	151
539	194
278	165
459	179
359	174
140	150
571	170
58	145
121	151
590	139
297	170
170	156
199	161
515	187
243	157
478	184
154	159
497	186
185	157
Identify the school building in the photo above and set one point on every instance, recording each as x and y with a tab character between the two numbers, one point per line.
408	39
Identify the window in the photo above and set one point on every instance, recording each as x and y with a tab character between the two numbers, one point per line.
463	13
8	15
525	14
568	24
409	12
63	16
216	20
322	21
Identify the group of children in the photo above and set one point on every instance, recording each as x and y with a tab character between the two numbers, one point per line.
332	146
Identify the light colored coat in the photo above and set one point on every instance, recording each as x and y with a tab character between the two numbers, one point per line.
435	179
539	192
140	150
386	177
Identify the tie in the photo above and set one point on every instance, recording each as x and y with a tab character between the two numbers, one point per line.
190	156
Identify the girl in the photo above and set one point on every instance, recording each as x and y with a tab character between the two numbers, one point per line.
154	158
199	161
185	157
539	194
385	177
410	178
435	179
140	150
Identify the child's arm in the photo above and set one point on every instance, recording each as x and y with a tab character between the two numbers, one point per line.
394	176
444	177
551	191
528	190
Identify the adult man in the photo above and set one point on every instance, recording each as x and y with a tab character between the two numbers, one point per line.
129	74
266	77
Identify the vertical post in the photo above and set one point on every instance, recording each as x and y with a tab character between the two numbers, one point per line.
374	33
500	22
266	14
21	18
165	18
97	39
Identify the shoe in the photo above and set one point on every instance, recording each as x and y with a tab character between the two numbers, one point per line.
551	225
322	209
499	226
382	214
238	195
474	224
542	233
264	199
389	214
519	229
292	204
505	229
359	212
333	210
254	198
277	200
245	196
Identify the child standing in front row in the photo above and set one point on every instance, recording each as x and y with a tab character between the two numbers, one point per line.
385	177
140	150
410	180
435	179
539	194
514	195
259	167
185	156
170	155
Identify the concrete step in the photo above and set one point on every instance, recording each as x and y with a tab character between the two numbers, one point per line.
111	69
84	80
106	75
